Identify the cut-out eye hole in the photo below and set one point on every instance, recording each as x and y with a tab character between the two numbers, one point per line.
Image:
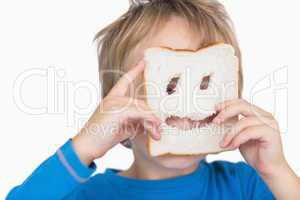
172	85
204	83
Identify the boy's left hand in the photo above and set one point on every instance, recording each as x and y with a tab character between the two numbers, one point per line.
256	134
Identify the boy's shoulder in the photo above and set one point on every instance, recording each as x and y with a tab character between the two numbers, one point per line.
90	189
233	170
239	174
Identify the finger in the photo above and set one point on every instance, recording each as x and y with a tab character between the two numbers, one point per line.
130	128
242	124
119	105
134	127
143	110
124	106
224	104
134	114
130	109
251	133
143	106
240	107
153	129
140	111
125	81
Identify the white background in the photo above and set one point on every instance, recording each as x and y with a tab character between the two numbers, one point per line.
43	34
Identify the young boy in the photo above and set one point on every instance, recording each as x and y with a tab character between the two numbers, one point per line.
178	24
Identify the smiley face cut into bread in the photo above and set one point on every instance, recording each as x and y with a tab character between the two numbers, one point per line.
183	87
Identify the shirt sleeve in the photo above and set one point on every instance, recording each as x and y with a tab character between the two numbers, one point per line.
55	178
252	184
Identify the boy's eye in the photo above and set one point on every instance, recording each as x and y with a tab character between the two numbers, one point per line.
204	82
172	85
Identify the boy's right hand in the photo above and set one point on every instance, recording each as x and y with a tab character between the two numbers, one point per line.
117	118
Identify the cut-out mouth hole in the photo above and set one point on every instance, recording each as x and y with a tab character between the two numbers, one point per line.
186	123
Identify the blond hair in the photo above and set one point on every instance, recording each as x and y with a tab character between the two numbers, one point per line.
117	41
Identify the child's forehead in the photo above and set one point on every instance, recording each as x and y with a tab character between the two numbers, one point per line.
176	34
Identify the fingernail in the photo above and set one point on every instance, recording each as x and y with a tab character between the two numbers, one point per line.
222	144
157	136
225	141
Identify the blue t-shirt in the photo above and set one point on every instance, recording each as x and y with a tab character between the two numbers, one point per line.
63	176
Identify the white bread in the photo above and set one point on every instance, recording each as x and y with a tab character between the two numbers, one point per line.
189	100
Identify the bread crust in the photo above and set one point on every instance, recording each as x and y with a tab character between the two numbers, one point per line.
145	92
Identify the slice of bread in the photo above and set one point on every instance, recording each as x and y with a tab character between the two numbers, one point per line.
183	87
